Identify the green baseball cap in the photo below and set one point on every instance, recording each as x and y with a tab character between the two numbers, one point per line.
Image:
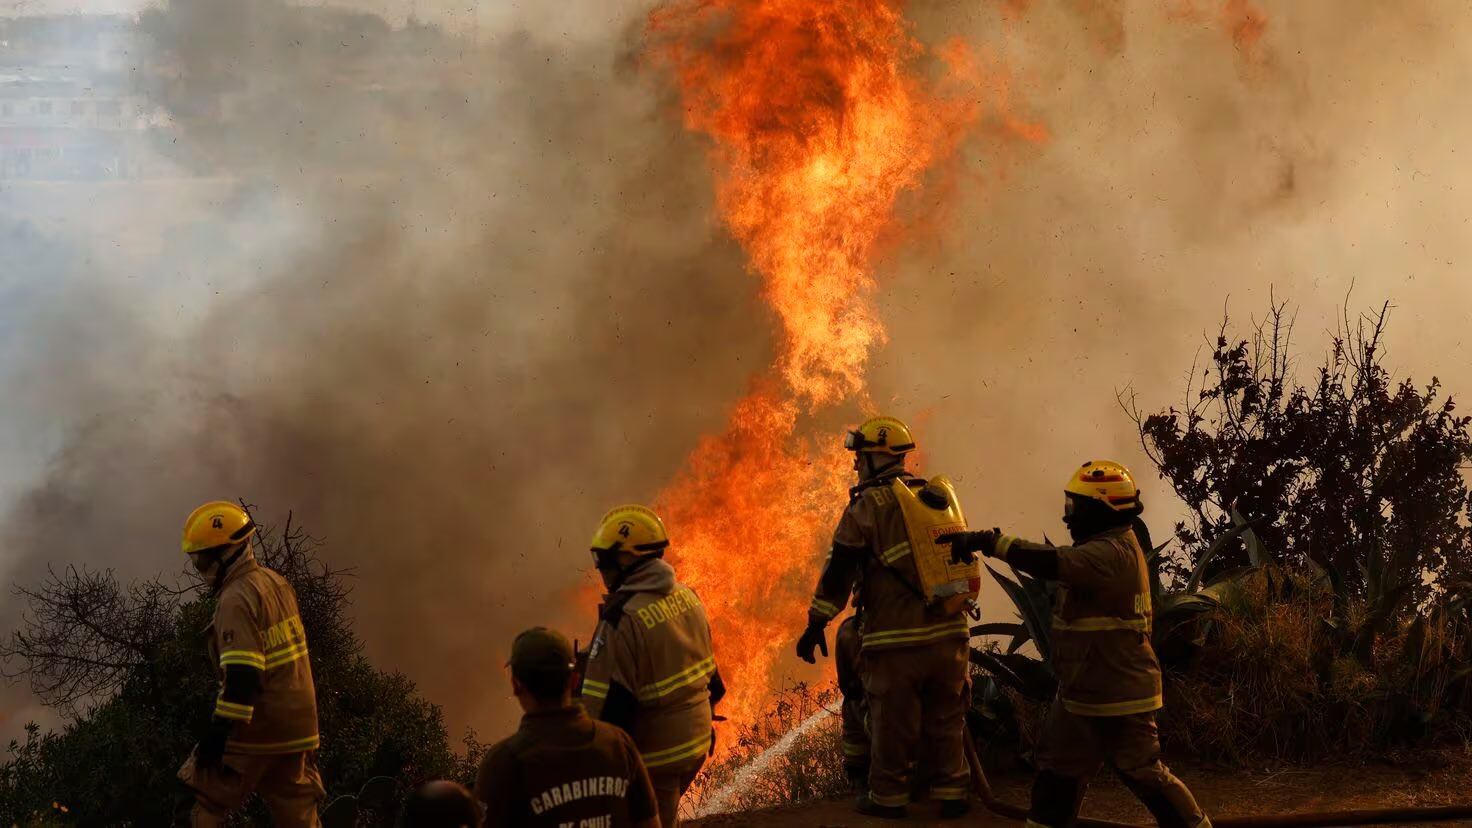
540	650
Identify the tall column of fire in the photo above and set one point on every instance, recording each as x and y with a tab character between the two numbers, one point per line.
818	120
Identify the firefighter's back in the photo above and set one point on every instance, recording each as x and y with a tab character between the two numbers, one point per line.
896	612
285	718
675	664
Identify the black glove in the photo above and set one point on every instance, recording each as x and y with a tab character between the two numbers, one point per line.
812	637
211	749
965	545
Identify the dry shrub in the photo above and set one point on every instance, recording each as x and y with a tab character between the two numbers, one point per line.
759	772
1275	682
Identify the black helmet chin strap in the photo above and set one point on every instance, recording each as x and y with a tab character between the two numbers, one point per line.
225	564
608	559
873	470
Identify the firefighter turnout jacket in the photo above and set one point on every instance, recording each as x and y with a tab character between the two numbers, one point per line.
1102	619
562	768
257	625
871	548
651	660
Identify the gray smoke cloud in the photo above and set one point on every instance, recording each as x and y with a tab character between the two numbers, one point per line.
1183	175
447	300
449	294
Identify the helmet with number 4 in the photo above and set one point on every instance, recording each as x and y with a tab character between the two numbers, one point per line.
880	435
216	525
634	529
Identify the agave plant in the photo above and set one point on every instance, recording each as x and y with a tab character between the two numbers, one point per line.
1032	677
1437	646
1182	620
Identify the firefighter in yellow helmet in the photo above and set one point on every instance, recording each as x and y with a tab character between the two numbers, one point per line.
1108	677
913	652
650	667
262	737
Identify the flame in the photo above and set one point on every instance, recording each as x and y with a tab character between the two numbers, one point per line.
819	121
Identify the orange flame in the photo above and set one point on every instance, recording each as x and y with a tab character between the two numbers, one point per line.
819	122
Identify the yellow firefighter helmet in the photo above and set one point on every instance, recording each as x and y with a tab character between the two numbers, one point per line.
1106	481
218	524
632	528
881	435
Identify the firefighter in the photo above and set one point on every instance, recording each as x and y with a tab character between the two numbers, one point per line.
650	667
262	737
561	767
914	659
1109	684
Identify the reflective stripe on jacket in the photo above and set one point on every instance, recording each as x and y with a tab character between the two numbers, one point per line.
1102	621
257	624
660	651
871	549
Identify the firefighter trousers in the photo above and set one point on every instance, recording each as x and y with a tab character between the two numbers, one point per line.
917	697
855	709
1071	749
669	786
288	783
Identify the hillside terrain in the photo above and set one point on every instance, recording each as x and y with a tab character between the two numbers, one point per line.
1437	779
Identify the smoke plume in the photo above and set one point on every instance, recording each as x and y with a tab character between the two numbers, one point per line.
448	294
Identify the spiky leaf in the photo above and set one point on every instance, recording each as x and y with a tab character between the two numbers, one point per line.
1033	608
1028	676
1194	582
1257	554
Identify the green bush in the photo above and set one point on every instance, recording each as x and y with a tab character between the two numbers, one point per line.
128	669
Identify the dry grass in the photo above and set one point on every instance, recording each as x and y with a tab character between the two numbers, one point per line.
1271	685
810	767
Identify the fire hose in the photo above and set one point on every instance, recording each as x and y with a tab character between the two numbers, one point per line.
1327	819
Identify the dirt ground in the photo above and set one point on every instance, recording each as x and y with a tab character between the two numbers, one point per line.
1426	781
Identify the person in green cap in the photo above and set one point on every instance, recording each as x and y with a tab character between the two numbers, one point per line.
561	767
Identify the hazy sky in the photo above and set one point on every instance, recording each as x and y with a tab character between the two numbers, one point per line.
453	14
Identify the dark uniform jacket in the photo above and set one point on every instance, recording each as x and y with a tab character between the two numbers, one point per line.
653	642
257	625
562	768
872	548
1102	619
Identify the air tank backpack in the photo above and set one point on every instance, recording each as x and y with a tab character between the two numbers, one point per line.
929	512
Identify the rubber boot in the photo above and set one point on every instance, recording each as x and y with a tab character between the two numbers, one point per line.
869	807
1055	800
858	779
954	808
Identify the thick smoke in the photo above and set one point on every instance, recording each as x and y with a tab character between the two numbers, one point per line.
1186	173
447	301
448	295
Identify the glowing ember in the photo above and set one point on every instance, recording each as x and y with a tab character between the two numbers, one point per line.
818	123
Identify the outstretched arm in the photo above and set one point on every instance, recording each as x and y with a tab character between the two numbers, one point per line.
1036	559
